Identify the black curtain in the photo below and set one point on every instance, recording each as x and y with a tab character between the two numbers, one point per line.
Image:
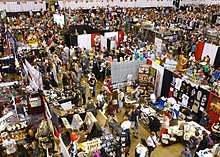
108	44
70	40
167	80
217	59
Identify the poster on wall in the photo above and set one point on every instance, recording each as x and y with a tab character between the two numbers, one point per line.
151	79
120	70
143	74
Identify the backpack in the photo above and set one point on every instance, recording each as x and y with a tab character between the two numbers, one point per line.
192	142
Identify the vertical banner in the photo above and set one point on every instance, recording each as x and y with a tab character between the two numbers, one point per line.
103	43
96	40
217	59
151	79
12	47
159	78
199	50
120	37
158	43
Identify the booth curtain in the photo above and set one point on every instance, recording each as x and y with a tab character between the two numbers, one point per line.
167	80
199	50
217	59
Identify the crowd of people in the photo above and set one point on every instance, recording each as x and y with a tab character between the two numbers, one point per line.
83	70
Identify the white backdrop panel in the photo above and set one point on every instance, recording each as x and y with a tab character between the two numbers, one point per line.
84	41
159	80
210	50
103	42
111	34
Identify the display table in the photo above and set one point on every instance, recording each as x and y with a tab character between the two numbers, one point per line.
184	130
147	113
91	146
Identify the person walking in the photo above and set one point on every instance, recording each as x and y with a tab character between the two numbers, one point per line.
151	143
141	148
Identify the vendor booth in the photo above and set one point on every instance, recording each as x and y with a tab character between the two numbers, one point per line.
95	38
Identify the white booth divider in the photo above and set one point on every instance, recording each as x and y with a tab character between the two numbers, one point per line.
211	51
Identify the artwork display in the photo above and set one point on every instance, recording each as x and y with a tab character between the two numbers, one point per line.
120	70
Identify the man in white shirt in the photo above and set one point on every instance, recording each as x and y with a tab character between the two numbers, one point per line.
141	148
151	143
72	51
126	127
10	146
153	98
100	99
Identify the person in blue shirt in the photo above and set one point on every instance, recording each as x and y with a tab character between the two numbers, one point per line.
186	153
217	74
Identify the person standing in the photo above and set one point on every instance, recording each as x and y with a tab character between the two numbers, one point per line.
125	125
92	85
100	100
141	148
134	120
121	96
193	144
186	153
205	119
11	146
83	92
73	144
151	143
90	106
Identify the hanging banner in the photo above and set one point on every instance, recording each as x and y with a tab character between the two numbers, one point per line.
158	43
151	79
12	47
143	74
96	40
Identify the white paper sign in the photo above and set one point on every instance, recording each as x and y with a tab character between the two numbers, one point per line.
67	105
170	64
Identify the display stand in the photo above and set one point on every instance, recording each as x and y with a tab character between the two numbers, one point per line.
35	105
118	132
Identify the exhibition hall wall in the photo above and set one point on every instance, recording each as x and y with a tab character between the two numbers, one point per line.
39	4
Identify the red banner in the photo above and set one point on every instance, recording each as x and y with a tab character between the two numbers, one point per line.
120	37
96	40
199	50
